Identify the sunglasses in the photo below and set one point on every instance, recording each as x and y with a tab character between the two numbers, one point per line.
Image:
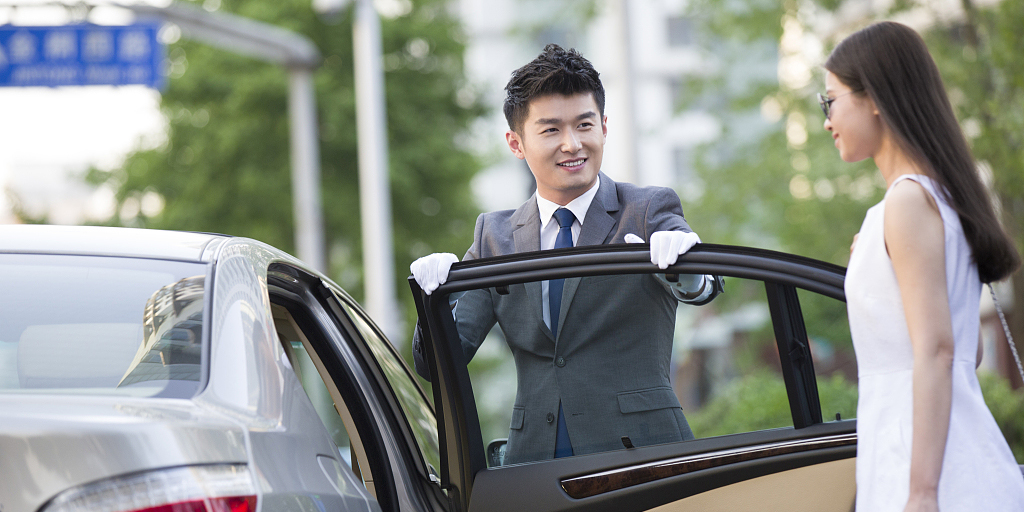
826	103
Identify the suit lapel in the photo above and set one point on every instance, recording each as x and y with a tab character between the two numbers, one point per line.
602	216
526	226
568	292
526	238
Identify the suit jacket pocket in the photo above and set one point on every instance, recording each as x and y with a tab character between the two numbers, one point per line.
518	413
647	400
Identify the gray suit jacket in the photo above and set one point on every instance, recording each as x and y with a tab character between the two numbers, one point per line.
609	365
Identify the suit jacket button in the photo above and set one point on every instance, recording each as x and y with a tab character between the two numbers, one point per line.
559	362
551	417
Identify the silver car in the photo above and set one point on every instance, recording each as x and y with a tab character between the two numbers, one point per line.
159	371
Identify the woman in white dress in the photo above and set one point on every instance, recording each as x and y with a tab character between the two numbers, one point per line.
926	440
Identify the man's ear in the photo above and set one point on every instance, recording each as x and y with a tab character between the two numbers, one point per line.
515	144
604	125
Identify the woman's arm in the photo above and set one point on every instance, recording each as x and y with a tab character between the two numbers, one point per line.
914	237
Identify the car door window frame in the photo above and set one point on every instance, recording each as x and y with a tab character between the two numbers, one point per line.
397	468
792	341
356	447
347	378
463	458
344	307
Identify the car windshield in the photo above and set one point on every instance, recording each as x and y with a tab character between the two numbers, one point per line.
100	325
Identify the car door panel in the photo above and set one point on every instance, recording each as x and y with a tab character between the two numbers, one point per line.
826	487
680	476
647	477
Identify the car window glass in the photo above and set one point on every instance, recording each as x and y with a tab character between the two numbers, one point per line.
100	325
417	410
324	395
292	340
835	364
632	366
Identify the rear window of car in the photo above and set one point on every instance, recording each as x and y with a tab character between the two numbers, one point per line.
100	325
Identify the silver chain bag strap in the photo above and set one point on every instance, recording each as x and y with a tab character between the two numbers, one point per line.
1006	329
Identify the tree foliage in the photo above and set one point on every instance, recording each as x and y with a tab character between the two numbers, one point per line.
979	57
758	401
226	164
774	179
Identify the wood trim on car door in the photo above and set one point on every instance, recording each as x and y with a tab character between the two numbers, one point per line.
587	486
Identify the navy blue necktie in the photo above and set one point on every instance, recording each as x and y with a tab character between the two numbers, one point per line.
565	218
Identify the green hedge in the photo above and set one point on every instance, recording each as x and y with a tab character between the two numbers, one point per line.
1007	407
758	402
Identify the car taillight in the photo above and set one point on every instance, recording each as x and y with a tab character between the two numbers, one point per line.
215	488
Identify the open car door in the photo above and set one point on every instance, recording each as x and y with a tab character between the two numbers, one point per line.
792	449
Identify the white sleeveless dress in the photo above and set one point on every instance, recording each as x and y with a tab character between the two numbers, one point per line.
979	472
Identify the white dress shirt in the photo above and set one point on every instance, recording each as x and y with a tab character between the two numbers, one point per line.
549	230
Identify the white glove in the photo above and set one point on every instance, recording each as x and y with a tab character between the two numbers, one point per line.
431	270
686	287
666	246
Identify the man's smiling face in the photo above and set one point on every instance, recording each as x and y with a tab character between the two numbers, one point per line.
562	141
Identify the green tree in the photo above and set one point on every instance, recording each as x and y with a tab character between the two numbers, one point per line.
226	167
1007	408
773	179
979	57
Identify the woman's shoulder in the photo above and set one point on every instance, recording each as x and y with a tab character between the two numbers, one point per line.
913	196
912	216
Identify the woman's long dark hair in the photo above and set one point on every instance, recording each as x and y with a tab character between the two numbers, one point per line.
891	64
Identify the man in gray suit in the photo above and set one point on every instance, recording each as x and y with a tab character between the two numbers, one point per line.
593	360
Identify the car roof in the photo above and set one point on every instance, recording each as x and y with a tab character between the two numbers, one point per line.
108	241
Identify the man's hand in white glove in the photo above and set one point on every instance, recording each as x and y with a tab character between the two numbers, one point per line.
666	246
431	270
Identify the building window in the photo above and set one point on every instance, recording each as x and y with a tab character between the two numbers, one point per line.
680	31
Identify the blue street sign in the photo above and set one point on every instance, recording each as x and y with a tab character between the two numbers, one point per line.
81	55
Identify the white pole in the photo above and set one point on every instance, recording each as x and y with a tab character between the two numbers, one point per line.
626	125
374	187
309	224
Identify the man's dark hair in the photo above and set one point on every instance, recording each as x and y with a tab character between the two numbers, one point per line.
554	71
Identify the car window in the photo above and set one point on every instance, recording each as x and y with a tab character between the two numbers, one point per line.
630	365
417	410
295	344
300	338
835	364
100	325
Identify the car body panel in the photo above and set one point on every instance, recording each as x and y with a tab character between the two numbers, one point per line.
713	467
103	241
49	443
250	408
